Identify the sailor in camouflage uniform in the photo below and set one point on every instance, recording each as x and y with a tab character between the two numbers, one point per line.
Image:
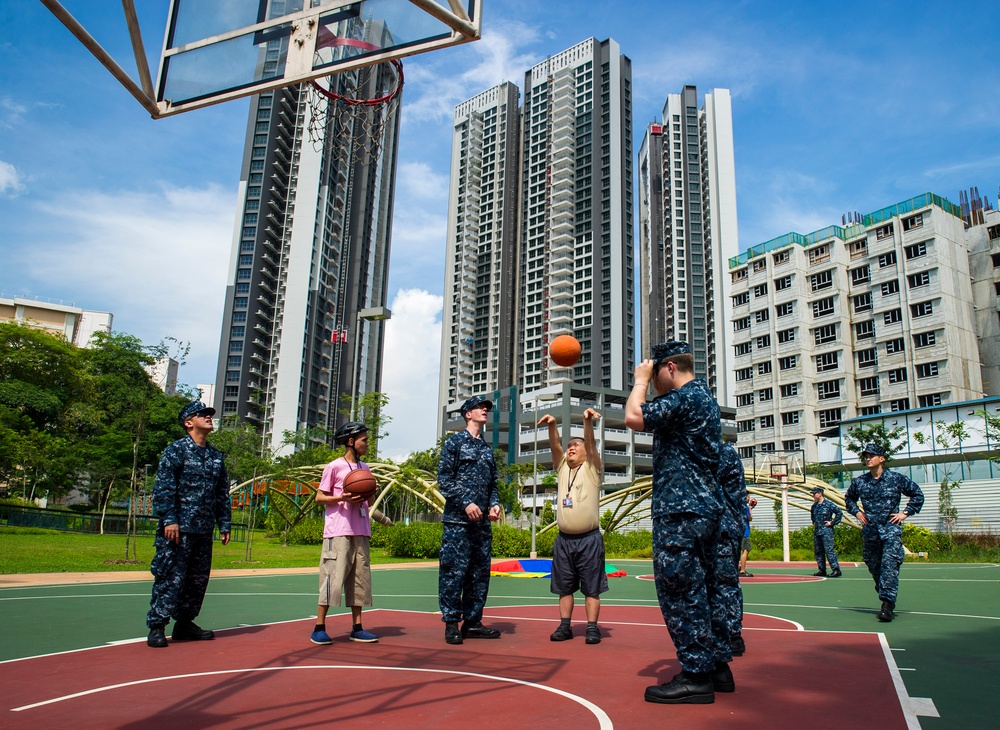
732	479
687	510
825	516
191	498
467	478
879	492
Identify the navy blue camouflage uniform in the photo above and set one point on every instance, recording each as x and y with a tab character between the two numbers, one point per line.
823	512
467	473
882	548
192	492
732	480
687	510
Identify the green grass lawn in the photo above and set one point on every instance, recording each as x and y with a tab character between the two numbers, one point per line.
30	550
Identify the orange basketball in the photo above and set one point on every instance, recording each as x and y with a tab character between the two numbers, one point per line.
360	481
564	350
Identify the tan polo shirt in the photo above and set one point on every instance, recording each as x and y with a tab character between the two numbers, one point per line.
583	486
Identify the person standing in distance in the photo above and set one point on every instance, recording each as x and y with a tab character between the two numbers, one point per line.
191	499
578	552
687	510
345	563
467	478
879	492
745	544
732	479
825	516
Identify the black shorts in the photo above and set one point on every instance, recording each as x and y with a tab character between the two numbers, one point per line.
745	545
578	564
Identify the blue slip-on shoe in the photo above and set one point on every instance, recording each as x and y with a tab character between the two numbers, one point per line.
366	637
320	637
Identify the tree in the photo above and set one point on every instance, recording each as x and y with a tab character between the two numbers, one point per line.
548	514
857	436
371	412
948	436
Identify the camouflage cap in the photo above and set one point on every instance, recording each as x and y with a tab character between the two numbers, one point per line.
474	402
874	449
669	349
193	409
818	490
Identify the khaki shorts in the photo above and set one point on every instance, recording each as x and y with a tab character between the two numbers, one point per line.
345	567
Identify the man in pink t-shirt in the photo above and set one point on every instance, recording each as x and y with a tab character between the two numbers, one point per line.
345	565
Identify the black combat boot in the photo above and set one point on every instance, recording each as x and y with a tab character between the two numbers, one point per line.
885	615
451	633
190	631
156	639
687	688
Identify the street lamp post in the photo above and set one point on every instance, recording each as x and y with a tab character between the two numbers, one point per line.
539	398
372	314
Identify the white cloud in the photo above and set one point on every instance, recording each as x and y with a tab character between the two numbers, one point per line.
419	226
410	369
157	260
11	112
10	180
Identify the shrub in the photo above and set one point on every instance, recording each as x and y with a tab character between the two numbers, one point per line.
417	540
638	544
380	535
308	532
919	539
511	542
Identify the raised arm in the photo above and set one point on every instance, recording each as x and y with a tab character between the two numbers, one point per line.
555	445
593	455
633	406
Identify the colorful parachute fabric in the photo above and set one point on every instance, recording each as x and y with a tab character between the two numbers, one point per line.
540	568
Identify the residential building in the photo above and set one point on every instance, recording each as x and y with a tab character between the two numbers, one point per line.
74	323
688	232
984	264
870	318
163	373
310	252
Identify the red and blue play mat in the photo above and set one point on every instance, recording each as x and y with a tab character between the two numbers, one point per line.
538	568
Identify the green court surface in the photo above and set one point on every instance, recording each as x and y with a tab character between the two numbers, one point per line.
945	639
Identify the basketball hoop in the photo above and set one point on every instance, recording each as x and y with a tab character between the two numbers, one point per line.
349	112
779	471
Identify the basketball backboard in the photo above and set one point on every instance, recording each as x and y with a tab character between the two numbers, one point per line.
217	50
775	467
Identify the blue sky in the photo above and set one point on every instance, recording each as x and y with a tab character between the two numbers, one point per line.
837	107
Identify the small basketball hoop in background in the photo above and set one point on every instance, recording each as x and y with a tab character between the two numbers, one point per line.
350	111
779	471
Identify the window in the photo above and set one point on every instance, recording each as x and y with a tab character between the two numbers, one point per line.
766	448
900	404
759	265
827	333
763	342
231	391
993	232
764	368
870	410
890	287
927	370
828	389
887	259
742	401
913	222
894	346
868	386
924	339
827	361
741	299
744	348
931	399
234	361
864	330
745	426
762	316
923	309
739	275
883	232
819	254
893	316
782	257
767	421
860	275
744	373
786	335
829	418
867	358
858	249
793	445
787	363
765	394
784	309
822	307
918	280
822	280
232	376
746	452
898	375
915	251
760	290
863	302
741	324
783	283
791	418
789	390
241	302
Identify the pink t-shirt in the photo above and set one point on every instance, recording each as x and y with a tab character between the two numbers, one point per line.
343	518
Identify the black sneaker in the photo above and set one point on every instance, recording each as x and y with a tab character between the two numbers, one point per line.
190	631
157	638
885	615
563	633
744	574
722	678
478	631
820	574
683	689
593	635
739	646
836	573
451	633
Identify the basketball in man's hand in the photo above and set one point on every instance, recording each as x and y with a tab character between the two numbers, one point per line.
360	481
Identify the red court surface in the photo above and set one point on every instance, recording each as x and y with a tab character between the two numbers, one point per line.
271	676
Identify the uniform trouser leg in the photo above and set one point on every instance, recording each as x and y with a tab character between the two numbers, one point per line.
684	553
727	576
831	554
818	552
454	562
871	553
476	586
180	577
892	559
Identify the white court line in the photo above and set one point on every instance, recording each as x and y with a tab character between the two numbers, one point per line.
597	712
909	708
855	608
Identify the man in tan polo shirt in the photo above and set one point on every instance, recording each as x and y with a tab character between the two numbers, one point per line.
578	553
